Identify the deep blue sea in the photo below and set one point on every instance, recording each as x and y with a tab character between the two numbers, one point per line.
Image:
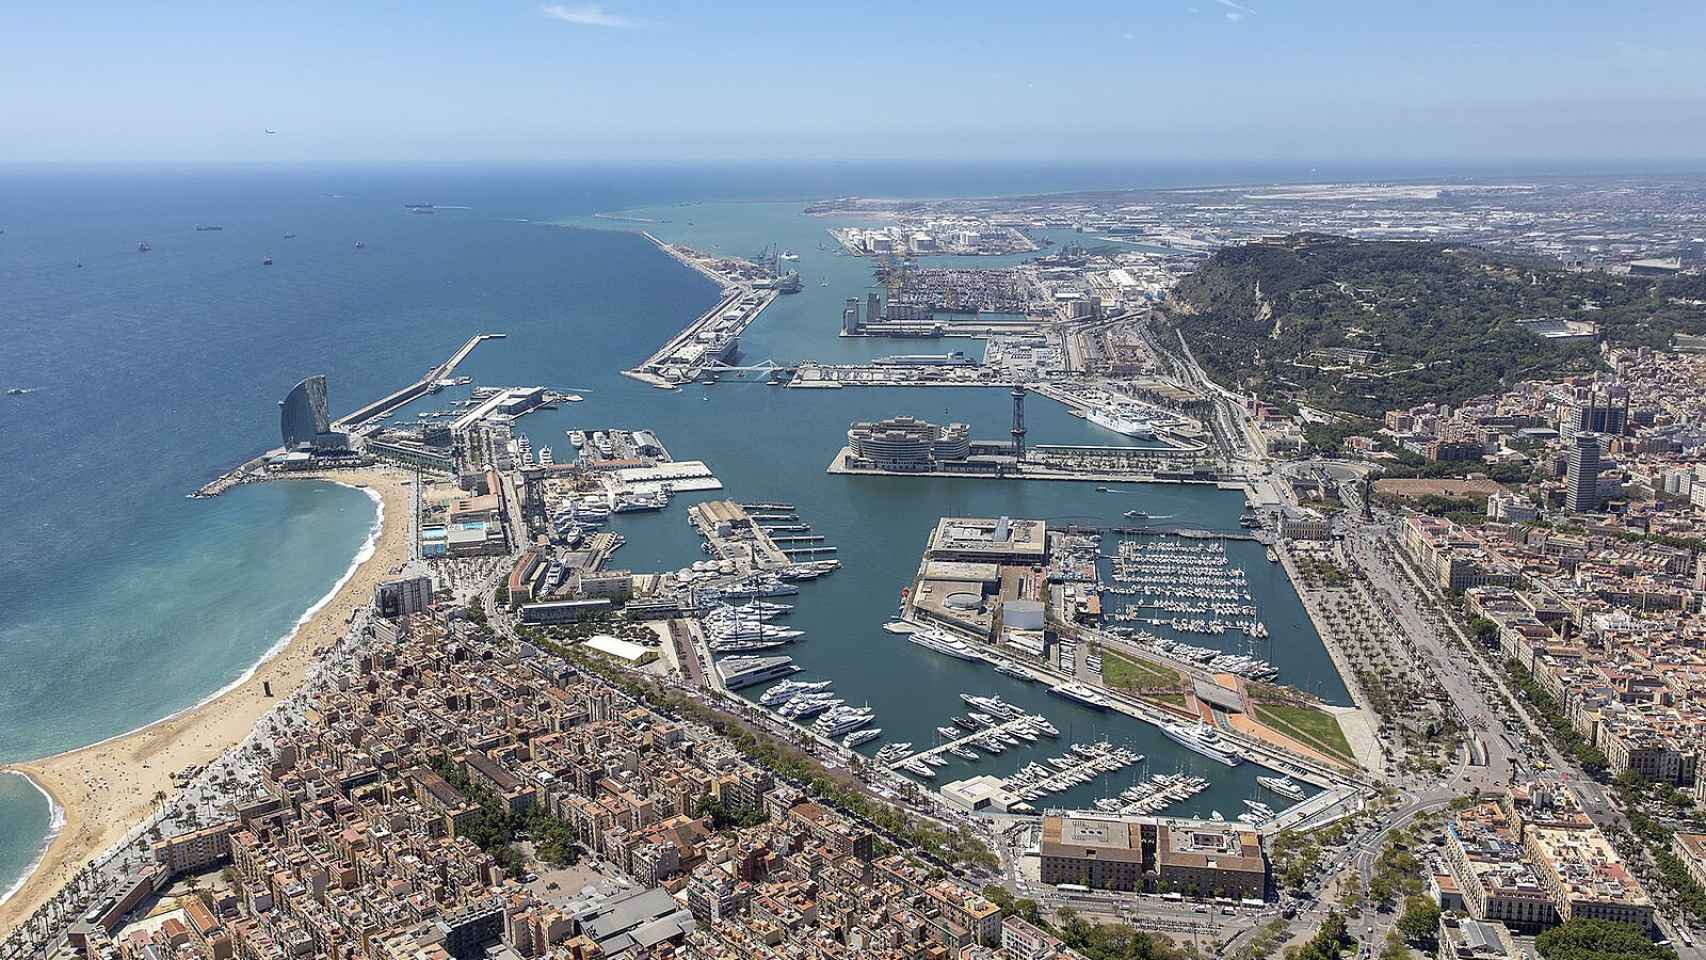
153	372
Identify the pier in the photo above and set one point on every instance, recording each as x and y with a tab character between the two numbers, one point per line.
970	739
419	388
713	338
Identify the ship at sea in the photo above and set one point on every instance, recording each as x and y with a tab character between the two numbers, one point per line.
208	227
1134	427
1202	739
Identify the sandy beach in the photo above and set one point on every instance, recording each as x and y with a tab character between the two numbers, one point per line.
105	789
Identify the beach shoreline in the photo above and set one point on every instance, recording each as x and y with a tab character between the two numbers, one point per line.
103	790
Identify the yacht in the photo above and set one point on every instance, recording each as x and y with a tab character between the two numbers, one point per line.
738	672
1203	739
810	705
578	438
1040	724
949	733
962	753
858	737
1009	670
787	689
1284	786
900	626
1082	694
944	644
840	720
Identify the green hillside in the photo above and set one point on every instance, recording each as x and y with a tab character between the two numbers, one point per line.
1279	318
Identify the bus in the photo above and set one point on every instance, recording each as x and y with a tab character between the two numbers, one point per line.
1071	888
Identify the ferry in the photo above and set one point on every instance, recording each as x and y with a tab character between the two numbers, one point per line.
1082	694
738	672
1284	786
1137	429
1202	739
944	644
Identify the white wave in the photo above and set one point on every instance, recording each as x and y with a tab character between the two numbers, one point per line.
55	824
362	555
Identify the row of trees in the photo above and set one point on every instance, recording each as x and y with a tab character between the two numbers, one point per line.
959	847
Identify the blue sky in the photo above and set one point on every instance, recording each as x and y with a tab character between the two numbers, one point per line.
517	81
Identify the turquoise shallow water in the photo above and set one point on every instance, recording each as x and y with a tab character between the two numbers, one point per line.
125	602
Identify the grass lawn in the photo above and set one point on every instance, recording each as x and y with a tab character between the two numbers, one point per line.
1172	699
1313	727
1126	673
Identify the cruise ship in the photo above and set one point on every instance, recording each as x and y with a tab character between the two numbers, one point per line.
1203	739
740	672
944	644
1284	786
1082	694
1122	424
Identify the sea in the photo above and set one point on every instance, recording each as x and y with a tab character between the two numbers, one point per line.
149	373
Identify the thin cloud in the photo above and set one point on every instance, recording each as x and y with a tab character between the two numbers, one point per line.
585	15
1236	8
1235	16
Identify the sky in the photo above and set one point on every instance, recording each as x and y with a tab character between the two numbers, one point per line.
513	81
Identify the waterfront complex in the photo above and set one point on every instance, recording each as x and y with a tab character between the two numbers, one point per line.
907	443
303	420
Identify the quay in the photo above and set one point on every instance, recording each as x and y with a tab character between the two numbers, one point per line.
731	534
970	738
1031	469
713	338
419	388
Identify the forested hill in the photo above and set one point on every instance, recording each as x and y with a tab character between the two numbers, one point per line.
1290	319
